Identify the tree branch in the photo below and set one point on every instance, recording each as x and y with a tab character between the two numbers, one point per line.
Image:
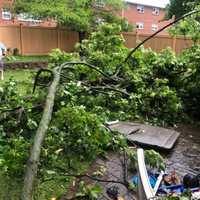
32	164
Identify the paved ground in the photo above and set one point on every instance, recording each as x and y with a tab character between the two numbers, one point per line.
184	157
114	171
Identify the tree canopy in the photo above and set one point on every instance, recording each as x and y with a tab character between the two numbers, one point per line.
190	26
77	15
180	7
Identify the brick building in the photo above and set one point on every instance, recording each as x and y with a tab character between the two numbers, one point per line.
147	16
8	18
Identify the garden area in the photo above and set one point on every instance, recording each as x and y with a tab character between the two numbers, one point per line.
155	88
54	141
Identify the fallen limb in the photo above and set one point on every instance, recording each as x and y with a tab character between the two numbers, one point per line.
34	159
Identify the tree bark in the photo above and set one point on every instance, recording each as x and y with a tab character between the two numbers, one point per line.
34	159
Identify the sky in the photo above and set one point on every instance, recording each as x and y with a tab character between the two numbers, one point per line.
157	3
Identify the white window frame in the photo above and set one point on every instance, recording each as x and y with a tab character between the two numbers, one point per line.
140	8
154	27
156	11
100	3
140	25
6	14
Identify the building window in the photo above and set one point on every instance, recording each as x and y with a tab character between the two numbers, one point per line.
6	14
156	11
140	25
100	3
140	8
154	27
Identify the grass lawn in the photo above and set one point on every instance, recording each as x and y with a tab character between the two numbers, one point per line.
24	77
9	59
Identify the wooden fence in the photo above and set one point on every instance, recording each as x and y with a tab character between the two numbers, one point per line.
41	40
37	40
159	42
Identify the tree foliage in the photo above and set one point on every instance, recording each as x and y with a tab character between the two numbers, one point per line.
77	15
178	8
190	27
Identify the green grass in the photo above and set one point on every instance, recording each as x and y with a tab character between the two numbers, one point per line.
46	190
10	59
24	78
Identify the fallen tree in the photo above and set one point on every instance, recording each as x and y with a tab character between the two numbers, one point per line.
34	159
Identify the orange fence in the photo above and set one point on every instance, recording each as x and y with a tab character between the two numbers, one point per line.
159	42
41	40
37	40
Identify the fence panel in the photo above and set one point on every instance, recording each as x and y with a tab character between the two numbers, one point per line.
41	40
182	43
10	36
68	39
130	39
38	41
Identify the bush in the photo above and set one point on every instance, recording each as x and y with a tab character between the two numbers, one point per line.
80	132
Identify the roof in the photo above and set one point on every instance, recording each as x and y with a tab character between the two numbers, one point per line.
152	3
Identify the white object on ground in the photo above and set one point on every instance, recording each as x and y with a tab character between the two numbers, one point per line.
196	196
145	189
112	122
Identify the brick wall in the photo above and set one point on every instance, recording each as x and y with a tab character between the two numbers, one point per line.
147	18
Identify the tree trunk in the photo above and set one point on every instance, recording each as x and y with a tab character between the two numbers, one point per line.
81	36
34	159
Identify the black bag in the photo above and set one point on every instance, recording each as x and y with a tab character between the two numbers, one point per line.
191	181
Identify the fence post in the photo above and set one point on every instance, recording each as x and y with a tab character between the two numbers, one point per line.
174	43
137	38
58	36
21	39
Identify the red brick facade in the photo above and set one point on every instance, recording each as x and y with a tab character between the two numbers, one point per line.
147	18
